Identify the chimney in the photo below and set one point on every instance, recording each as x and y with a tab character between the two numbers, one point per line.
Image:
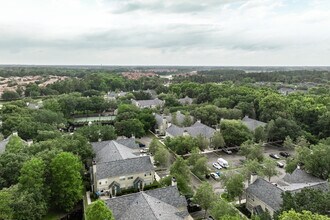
185	133
173	181
253	178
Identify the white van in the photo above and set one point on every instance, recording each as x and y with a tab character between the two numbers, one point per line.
223	162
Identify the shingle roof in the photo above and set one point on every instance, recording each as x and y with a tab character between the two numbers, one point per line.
107	151
3	144
298	180
149	103
179	117
161	203
266	192
194	130
123	167
186	100
128	142
252	124
300	176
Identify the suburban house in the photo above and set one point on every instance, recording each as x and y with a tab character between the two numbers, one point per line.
117	166
158	204
164	121
186	101
263	196
5	141
153	103
252	124
114	95
194	130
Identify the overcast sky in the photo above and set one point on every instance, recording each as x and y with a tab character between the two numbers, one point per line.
165	32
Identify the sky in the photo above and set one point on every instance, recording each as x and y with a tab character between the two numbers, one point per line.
165	32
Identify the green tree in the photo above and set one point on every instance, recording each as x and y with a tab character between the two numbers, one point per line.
302	142
194	156
98	210
95	132
180	171
202	142
234	185
259	134
252	167
314	200
6	200
15	144
66	185
130	127
162	156
234	132
288	143
305	215
32	178
279	129
187	121
9	95
181	144
220	209
200	167
269	168
10	166
205	196
153	146
27	207
252	151
217	140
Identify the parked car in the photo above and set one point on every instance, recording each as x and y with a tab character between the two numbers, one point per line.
223	162
227	151
142	145
275	156
193	207
217	166
284	154
279	164
214	176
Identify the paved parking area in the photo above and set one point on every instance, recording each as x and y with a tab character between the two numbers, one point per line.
235	164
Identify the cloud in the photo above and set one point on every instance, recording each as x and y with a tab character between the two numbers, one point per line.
200	32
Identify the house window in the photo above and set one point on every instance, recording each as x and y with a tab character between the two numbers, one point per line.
106	182
100	183
130	178
150	174
122	178
145	174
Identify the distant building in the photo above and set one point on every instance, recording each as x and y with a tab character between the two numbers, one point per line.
195	130
114	95
164	121
158	204
153	103
252	124
262	196
186	101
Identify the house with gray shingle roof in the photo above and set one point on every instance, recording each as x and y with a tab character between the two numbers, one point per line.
158	204
252	124
153	103
195	130
186	101
114	95
262	195
164	121
117	166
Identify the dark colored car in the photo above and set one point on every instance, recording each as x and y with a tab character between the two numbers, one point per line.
227	151
192	207
284	154
275	156
141	145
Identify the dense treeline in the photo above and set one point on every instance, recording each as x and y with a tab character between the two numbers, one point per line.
297	76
